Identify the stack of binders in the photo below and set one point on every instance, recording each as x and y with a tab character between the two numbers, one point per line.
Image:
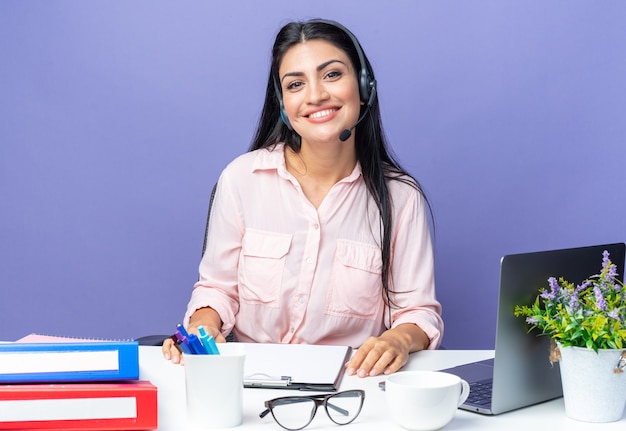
74	385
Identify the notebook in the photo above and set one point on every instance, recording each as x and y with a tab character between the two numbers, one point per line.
520	374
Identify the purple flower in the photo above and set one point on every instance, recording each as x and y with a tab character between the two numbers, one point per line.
554	287
605	259
532	320
612	273
573	302
614	313
546	295
583	286
600	301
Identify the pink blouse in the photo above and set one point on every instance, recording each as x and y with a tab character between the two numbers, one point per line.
277	270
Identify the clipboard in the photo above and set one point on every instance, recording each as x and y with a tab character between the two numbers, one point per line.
295	366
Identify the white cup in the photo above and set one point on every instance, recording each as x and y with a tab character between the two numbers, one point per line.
214	388
424	400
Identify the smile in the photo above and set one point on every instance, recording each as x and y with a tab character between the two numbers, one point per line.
323	113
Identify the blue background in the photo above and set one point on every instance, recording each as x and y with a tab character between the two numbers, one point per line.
117	117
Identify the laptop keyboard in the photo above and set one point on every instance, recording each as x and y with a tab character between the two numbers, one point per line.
480	393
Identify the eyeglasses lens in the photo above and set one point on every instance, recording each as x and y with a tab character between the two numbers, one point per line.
293	413
344	407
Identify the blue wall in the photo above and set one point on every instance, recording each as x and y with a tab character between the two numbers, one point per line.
117	117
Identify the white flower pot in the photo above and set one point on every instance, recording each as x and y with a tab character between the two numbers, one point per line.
592	390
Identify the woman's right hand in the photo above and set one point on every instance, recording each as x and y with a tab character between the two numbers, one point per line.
206	317
170	352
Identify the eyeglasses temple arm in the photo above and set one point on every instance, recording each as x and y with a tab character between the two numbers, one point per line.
338	409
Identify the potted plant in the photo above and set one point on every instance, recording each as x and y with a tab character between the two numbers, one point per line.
587	325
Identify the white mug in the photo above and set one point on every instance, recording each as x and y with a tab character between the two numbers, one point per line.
424	400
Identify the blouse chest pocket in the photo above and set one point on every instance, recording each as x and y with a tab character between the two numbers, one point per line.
355	285
261	266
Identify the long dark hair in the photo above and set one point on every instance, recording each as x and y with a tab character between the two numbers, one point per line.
378	164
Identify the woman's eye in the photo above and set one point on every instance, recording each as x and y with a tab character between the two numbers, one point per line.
333	75
294	85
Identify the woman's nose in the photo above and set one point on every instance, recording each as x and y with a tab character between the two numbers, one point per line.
317	93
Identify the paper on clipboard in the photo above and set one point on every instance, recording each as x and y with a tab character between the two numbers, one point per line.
295	366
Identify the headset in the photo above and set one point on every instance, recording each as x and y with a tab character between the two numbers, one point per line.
367	83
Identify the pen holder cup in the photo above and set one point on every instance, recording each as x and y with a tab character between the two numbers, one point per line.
214	388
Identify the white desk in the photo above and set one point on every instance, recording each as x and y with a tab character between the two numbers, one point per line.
170	380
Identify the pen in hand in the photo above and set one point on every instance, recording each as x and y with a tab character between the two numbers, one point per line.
192	344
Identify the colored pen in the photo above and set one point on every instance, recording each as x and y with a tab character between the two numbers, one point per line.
185	341
182	330
175	340
196	345
207	341
182	343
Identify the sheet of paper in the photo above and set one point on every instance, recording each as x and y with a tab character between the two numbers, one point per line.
304	363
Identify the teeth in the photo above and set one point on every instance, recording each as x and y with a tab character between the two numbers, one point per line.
322	113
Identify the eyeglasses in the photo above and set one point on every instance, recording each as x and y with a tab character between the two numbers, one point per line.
295	413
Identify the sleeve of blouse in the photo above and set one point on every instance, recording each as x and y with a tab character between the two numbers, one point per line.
217	285
412	270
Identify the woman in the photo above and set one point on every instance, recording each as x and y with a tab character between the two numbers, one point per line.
316	234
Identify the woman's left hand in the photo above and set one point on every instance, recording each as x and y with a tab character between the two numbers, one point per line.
388	352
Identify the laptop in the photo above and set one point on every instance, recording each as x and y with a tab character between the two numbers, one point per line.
520	374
